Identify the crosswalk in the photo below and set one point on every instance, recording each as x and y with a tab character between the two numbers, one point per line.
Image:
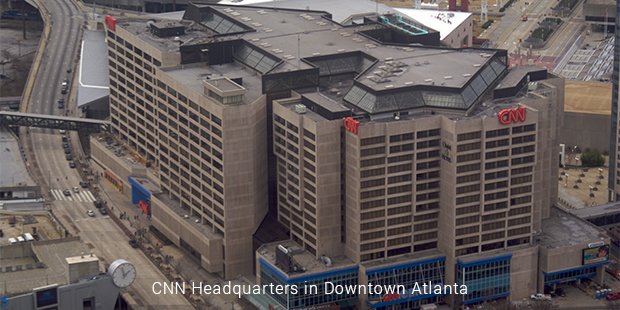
82	196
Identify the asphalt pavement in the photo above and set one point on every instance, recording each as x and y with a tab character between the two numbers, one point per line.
47	163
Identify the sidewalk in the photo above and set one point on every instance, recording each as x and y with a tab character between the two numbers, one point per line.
186	266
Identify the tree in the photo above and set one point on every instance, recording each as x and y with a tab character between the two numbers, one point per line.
592	158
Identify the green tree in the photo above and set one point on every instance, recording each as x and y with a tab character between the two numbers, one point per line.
592	158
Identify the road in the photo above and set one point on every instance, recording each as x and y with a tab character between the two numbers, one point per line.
44	146
506	33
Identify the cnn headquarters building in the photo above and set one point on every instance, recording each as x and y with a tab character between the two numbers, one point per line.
281	146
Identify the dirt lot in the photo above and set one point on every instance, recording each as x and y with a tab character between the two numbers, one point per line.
43	224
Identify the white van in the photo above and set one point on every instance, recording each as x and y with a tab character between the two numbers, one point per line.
21	239
12	240
28	237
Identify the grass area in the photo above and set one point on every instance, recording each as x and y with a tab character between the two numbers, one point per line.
542	33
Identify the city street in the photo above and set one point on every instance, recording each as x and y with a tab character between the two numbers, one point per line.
44	147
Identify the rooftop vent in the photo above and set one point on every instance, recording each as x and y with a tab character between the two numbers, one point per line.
477	65
428	80
300	109
466	74
409	83
448	77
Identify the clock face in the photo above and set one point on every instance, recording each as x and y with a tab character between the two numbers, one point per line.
123	273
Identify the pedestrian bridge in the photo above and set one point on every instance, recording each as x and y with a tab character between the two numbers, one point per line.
53	122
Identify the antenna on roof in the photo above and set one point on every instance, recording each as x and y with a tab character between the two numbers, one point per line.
298	49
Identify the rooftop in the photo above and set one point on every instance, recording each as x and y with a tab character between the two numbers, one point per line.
443	21
342	11
302	258
93	76
24	266
13	174
562	229
383	77
596	211
194	221
193	77
587	97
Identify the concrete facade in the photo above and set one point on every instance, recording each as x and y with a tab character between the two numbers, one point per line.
169	125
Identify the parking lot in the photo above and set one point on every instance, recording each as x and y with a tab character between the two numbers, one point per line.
40	225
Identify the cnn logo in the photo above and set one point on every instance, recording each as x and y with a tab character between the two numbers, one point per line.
514	115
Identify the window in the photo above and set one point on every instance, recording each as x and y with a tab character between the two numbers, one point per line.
468	136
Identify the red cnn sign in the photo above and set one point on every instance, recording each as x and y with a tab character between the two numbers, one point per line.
110	22
514	115
351	125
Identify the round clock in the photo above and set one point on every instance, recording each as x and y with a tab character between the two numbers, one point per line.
123	273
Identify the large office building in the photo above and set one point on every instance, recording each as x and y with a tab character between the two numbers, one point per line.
386	161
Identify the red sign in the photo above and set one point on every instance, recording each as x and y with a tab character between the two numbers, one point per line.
351	125
390	297
514	115
144	206
110	22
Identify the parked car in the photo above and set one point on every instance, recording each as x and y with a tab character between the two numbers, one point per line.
71	164
90	213
103	211
84	184
62	131
67	151
65	139
69	157
613	296
66	192
76	189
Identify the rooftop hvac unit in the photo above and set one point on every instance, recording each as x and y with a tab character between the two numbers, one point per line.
300	109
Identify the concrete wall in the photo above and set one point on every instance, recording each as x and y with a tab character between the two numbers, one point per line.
463	34
586	130
174	227
106	159
17	250
523	271
100	290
